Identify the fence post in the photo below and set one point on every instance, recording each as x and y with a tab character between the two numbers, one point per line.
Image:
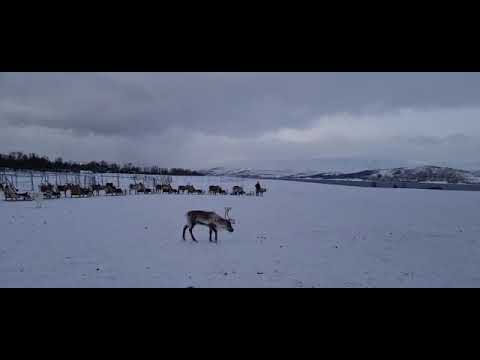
118	181
31	178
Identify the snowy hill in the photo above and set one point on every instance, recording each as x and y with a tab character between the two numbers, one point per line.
246	172
415	174
344	165
431	174
428	174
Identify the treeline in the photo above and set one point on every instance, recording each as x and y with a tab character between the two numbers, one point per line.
21	161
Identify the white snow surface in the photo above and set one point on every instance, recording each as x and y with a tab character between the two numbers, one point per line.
431	174
297	235
421	173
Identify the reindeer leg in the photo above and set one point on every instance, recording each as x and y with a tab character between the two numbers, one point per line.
191	233
211	230
184	229
216	234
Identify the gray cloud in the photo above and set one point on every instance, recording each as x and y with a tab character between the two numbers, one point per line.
205	118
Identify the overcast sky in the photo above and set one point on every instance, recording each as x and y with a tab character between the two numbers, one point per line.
201	120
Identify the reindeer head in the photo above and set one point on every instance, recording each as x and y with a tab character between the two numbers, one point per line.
228	220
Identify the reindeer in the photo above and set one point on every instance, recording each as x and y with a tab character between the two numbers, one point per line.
163	188
49	191
238	190
46	187
214	189
110	189
77	190
167	188
191	190
97	188
64	188
259	190
209	219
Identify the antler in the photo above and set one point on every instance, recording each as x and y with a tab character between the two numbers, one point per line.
227	210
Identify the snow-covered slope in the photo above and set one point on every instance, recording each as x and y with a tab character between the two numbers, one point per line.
247	172
427	174
344	165
415	174
430	174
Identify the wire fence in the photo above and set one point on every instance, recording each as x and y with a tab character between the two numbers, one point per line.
32	180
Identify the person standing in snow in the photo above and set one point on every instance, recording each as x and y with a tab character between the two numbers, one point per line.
258	188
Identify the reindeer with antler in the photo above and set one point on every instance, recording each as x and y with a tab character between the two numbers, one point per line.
209	219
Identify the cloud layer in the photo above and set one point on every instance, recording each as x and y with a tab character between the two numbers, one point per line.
204	119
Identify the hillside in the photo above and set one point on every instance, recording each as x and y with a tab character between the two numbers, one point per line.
414	174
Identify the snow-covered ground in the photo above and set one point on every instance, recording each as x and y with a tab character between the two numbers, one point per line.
297	235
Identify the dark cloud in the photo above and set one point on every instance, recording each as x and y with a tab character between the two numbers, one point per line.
229	104
278	110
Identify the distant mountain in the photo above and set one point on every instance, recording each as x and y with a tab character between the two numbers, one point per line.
246	172
417	174
345	165
321	164
414	174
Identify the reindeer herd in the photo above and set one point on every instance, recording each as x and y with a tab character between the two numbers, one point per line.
50	191
209	219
